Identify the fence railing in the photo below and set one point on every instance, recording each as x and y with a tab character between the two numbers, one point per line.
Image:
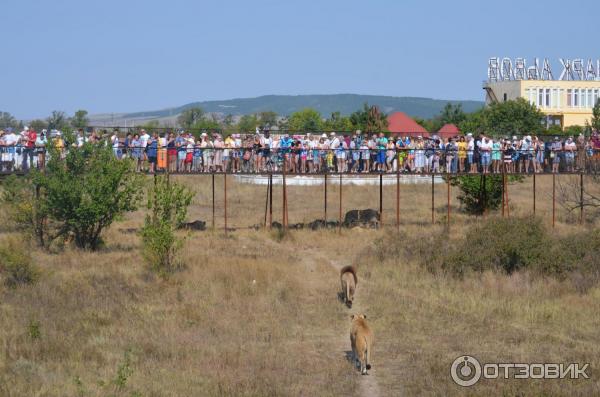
199	158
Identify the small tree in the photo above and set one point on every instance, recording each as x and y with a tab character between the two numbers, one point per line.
7	120
596	116
480	193
513	117
85	190
305	120
57	120
369	119
167	203
248	123
190	116
24	207
80	120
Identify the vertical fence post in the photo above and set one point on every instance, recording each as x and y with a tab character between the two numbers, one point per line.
267	201
284	206
507	198
581	198
503	193
553	199
432	200
270	200
398	199
534	194
484	195
325	199
381	199
213	200
340	222
448	216
225	201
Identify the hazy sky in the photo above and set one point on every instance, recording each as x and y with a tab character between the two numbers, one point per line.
121	56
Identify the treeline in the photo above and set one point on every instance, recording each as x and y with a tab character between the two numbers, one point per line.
508	118
56	121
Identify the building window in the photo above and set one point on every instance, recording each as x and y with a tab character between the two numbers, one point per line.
554	99
590	100
575	98
505	97
569	98
547	97
540	100
595	98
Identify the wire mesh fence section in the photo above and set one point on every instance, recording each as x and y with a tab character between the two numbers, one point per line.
252	206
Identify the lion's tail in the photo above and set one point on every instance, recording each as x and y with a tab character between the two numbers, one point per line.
368	355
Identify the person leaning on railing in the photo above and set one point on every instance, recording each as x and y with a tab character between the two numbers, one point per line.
556	150
40	148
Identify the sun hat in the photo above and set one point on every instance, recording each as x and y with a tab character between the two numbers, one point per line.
323	135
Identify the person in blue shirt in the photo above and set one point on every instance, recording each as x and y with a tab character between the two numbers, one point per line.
284	146
152	151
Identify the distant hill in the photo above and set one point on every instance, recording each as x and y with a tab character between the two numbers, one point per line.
326	104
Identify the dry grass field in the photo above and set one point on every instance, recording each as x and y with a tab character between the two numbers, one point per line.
256	313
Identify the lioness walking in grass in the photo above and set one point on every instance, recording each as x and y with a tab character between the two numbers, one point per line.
349	281
361	339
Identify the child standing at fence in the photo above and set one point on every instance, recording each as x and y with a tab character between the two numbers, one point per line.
162	152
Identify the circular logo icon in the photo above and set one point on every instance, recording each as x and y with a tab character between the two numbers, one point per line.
465	371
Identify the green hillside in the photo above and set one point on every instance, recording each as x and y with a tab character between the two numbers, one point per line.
326	104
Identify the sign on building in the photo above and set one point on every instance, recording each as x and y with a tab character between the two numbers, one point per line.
506	69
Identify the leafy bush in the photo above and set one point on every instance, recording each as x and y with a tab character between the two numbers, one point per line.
24	208
168	204
85	190
481	192
16	264
504	245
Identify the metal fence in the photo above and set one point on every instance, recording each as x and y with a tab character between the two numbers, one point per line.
226	204
196	159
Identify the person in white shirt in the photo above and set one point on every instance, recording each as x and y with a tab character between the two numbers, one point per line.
485	151
10	140
116	145
470	151
570	148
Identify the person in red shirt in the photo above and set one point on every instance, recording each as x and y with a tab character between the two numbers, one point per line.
29	149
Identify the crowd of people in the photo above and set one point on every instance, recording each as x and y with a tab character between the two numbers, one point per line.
313	153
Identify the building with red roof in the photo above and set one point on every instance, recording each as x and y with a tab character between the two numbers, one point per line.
448	131
400	123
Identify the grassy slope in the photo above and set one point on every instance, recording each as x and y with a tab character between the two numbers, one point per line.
326	104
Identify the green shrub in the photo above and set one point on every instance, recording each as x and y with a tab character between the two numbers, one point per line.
85	190
167	203
23	206
502	245
480	193
16	264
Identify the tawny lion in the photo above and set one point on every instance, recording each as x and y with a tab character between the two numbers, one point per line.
361	339
349	281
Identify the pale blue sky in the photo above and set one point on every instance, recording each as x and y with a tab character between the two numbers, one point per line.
121	56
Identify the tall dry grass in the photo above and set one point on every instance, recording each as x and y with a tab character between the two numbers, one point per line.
256	314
